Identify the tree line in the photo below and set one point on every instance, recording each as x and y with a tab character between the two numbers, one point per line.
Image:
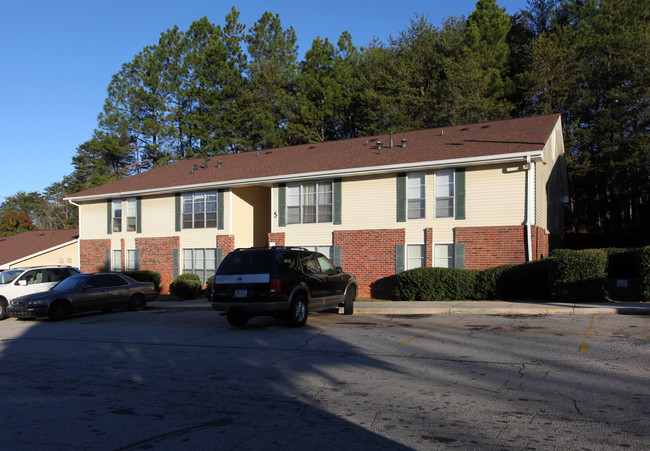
229	88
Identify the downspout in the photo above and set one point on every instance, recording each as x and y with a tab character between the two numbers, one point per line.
529	207
78	239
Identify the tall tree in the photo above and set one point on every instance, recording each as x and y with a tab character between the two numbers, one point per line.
12	223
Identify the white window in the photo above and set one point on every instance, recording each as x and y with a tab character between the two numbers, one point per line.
443	255
117	215
202	262
444	194
131	260
416	195
309	202
131	215
415	256
200	210
116	260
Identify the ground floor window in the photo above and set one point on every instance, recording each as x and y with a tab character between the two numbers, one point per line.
443	255
325	250
415	256
116	261
202	262
132	257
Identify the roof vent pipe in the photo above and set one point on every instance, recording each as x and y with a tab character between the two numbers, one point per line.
391	140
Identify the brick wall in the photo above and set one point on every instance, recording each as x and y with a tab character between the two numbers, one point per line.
92	255
226	242
370	256
277	238
486	247
156	254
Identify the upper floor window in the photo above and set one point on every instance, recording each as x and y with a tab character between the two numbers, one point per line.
444	194
200	210
131	215
117	215
309	202
416	195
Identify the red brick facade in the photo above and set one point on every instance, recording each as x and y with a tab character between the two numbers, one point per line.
92	255
226	242
370	256
277	238
157	254
486	247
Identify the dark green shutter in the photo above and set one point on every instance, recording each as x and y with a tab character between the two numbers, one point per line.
399	258
108	259
175	263
177	213
459	255
401	197
336	193
138	215
137	259
219	257
459	190
109	216
282	205
220	210
336	255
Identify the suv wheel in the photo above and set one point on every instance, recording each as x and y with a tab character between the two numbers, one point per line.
348	307
237	319
298	311
3	308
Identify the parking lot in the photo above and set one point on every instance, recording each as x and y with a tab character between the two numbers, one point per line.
164	379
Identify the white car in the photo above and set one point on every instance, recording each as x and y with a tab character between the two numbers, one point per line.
22	281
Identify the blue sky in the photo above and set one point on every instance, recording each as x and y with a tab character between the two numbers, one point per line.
58	58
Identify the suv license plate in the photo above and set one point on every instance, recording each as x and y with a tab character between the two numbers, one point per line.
241	293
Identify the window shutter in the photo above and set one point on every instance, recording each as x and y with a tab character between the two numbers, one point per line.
336	193
336	255
109	216
108	260
175	263
399	258
219	257
138	215
459	190
282	205
401	197
177	213
220	209
459	255
136	255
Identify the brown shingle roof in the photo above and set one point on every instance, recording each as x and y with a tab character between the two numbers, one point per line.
16	247
440	144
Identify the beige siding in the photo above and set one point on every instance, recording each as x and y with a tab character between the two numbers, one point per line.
549	180
494	196
92	225
251	216
66	255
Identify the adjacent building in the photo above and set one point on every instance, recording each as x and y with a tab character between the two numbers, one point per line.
469	196
40	247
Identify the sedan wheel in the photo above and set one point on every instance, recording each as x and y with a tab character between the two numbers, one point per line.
59	310
136	302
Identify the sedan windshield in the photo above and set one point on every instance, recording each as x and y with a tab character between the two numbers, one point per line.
9	276
71	283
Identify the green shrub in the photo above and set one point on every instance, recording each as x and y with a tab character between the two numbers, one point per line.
187	286
436	284
208	287
146	276
622	263
644	271
579	275
529	281
488	282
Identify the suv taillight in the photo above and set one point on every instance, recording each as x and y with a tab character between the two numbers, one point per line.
275	286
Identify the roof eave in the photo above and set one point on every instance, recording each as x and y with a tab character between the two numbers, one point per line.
536	155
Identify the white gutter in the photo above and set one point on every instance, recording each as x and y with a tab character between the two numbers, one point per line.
530	193
371	170
79	224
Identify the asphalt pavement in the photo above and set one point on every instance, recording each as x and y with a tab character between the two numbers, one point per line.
457	307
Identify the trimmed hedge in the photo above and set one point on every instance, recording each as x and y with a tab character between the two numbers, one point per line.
644	270
186	286
436	284
579	275
146	276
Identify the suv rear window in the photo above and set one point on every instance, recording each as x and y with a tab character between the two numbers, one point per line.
253	262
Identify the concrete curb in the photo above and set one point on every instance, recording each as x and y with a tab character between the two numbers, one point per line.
457	308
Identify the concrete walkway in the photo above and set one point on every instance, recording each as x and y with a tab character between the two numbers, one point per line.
456	307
